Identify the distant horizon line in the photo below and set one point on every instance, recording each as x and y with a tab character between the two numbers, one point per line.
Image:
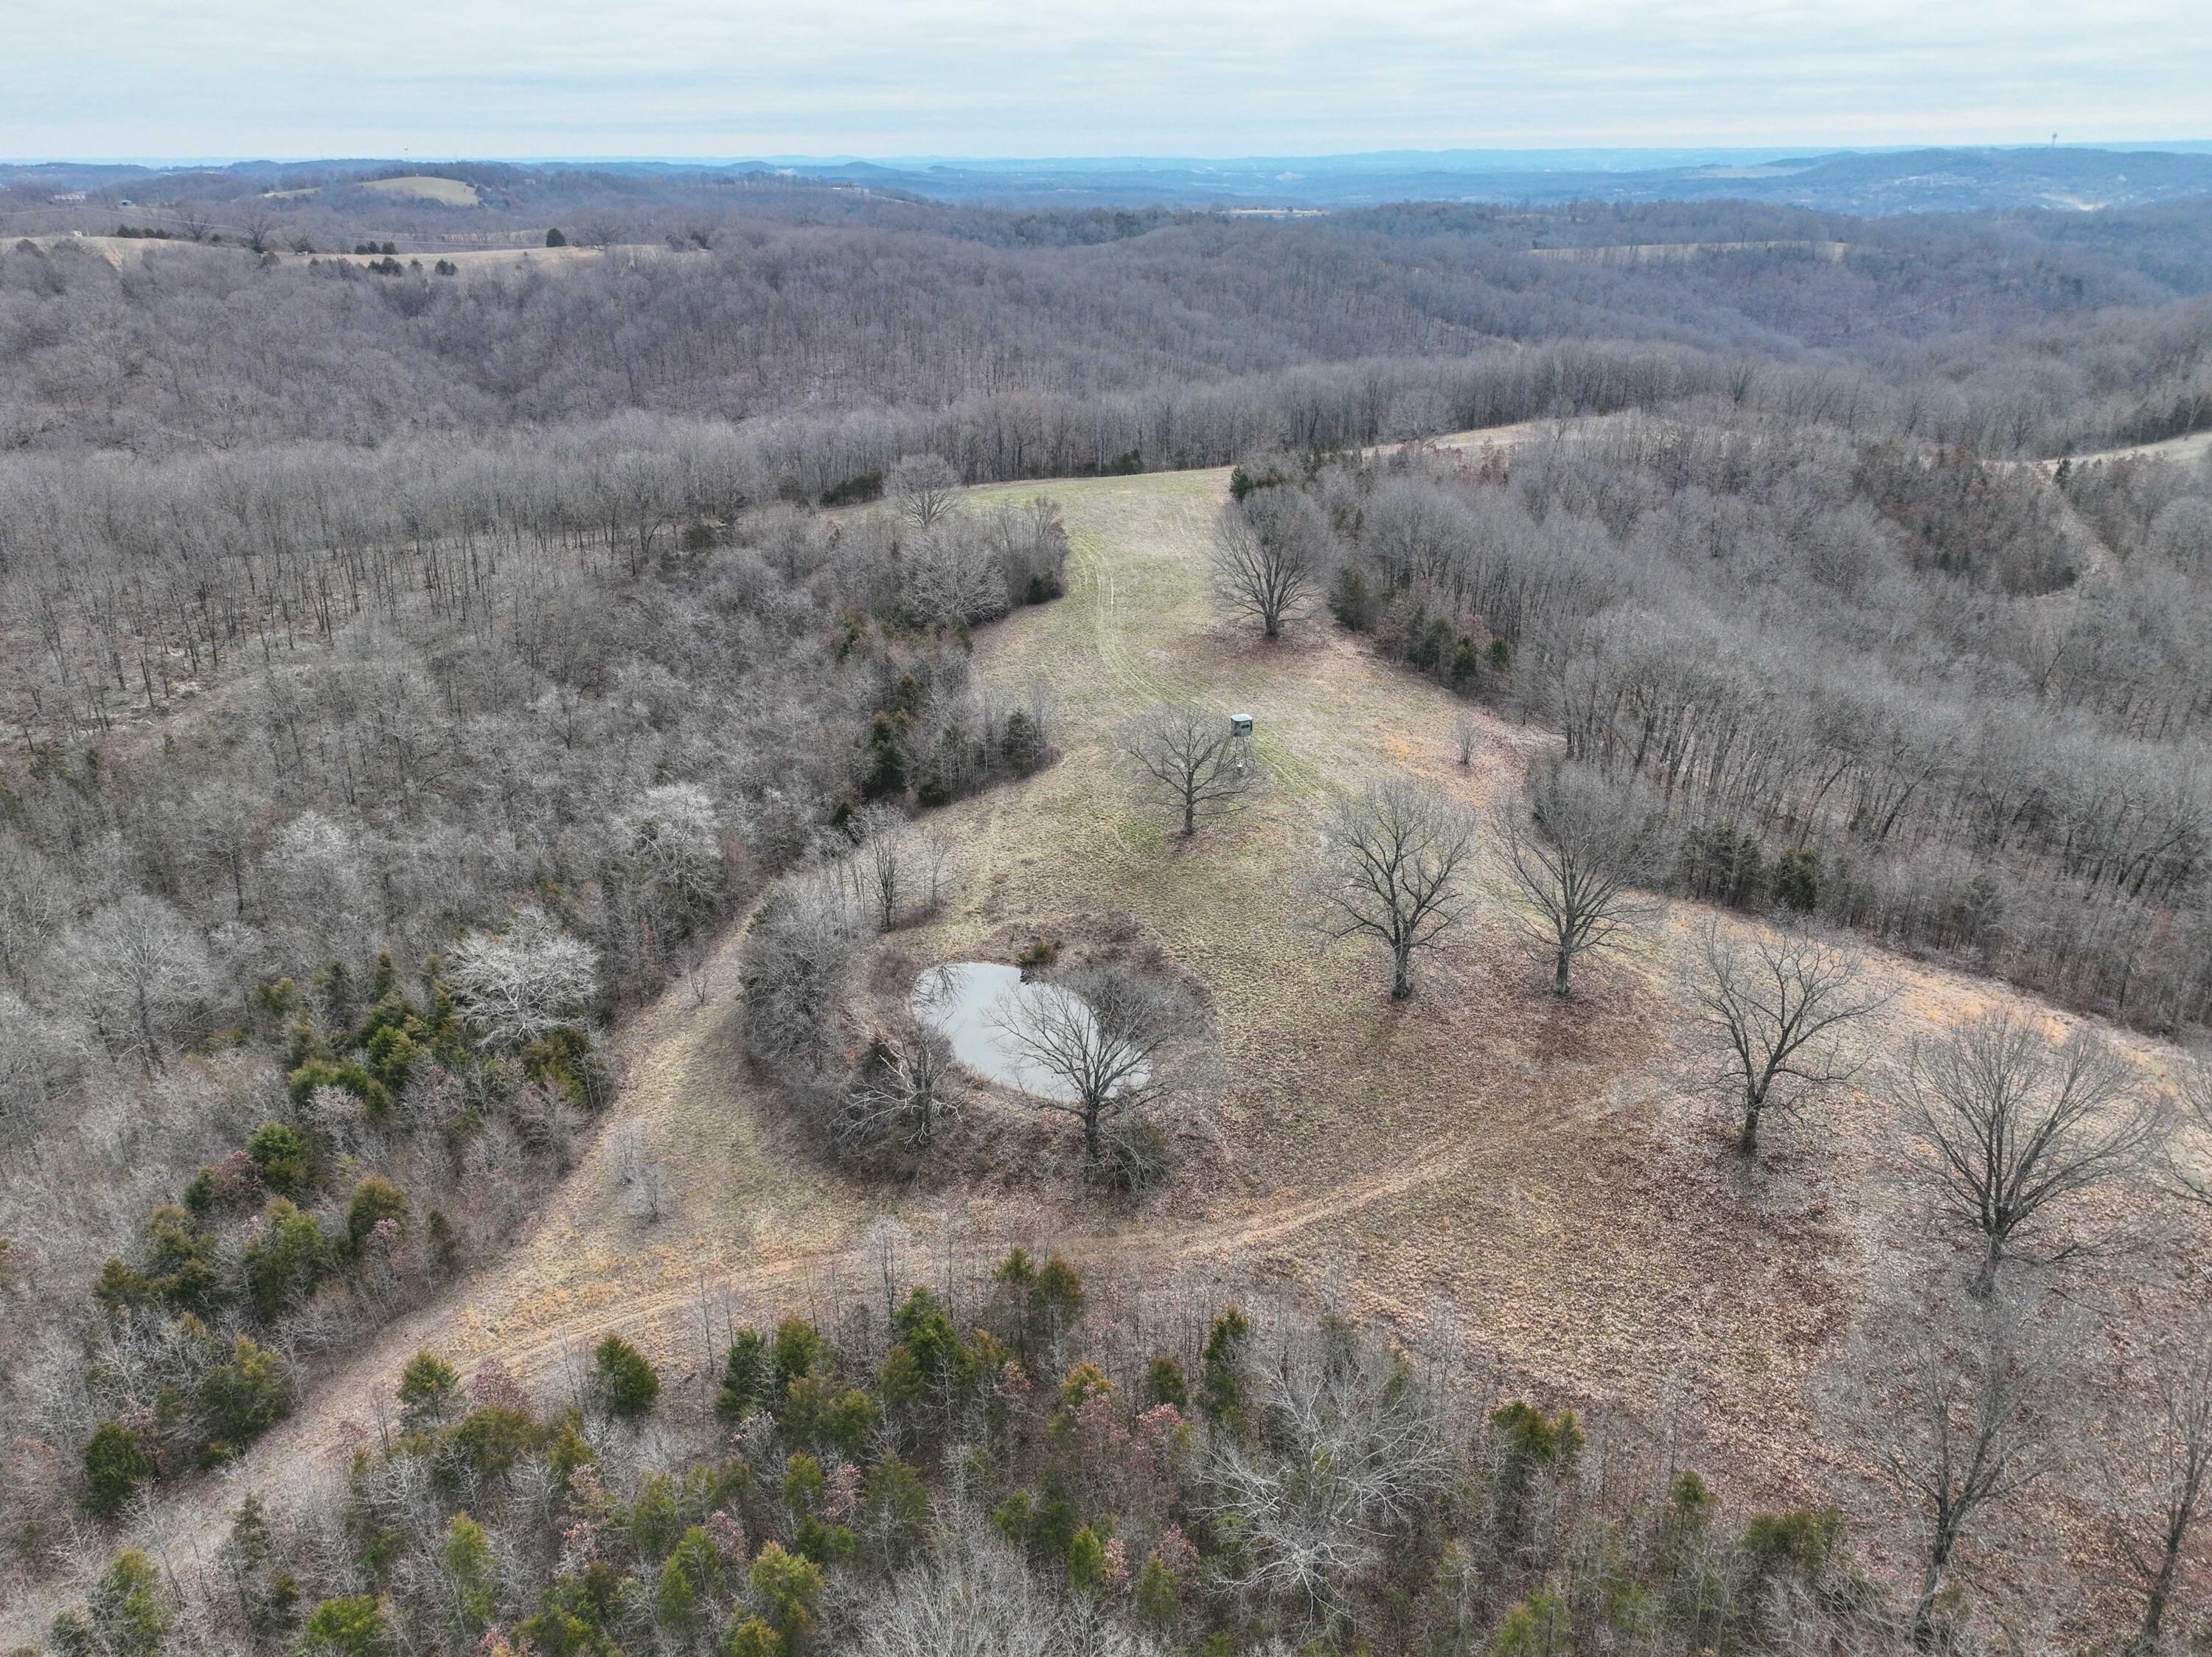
1556	152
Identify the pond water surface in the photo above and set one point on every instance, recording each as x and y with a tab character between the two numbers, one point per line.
976	1005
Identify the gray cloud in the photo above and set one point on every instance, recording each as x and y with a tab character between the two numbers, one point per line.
677	77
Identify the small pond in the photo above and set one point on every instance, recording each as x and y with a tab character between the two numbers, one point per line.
973	1004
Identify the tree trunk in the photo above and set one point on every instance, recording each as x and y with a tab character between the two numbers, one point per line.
1746	1141
1560	963
1924	1611
2154	1621
146	1031
1985	1280
1401	976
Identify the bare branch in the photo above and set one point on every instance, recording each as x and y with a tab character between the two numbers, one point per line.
2155	1464
1781	1011
1956	1406
2011	1130
1398	863
1113	1044
518	985
910	1086
1193	760
1572	865
1271	559
1351	1449
922	488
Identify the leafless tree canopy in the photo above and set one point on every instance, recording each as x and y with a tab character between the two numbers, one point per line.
2192	1142
2155	1460
973	1596
138	971
1782	1010
909	1087
1345	1459
1271	557
1467	736
637	1179
1575	863
1961	1405
952	577
901	870
518	985
797	959
1189	759
1117	1044
2013	1131
922	488
1400	861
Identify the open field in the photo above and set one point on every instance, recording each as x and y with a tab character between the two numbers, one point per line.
116	250
2192	446
1683	252
1549	1176
450	192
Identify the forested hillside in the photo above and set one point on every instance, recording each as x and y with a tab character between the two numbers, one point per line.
409	671
2023	335
1953	704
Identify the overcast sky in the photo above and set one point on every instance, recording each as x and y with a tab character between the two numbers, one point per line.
100	79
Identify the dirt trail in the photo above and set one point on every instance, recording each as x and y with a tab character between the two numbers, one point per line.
1543	1170
2191	446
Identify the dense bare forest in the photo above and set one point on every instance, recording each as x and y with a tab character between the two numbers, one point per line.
410	670
1954	702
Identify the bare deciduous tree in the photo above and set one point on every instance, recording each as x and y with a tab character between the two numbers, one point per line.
910	1086
39	1058
638	1180
1467	736
900	868
1270	563
882	864
1399	858
670	844
1574	862
1192	759
922	488
2156	1464
2194	1115
137	971
2012	1130
1353	1449
1957	1405
794	964
971	1595
1781	1010
940	867
951	574
1111	1043
518	985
